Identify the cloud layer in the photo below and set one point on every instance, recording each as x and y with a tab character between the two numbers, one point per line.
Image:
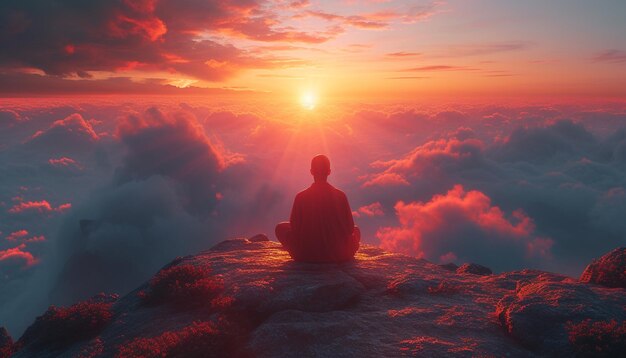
116	189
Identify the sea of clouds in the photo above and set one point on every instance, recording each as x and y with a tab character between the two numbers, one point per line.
97	196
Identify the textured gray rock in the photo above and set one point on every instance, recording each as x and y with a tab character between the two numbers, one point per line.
380	304
451	266
537	313
6	342
474	269
259	238
609	270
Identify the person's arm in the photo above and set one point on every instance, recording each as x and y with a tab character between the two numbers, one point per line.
295	216
348	214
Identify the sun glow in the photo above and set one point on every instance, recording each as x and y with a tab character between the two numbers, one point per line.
308	100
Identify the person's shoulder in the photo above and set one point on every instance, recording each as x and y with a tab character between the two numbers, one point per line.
303	193
339	192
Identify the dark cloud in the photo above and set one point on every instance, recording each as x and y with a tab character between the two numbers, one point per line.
174	147
74	38
9	118
562	139
28	85
161	202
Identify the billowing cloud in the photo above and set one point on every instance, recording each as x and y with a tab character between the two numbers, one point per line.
16	256
561	140
465	224
431	159
9	118
541	186
67	135
174	147
373	209
385	179
564	177
161	202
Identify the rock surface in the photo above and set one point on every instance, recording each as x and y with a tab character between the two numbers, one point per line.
609	270
474	269
381	304
538	312
6	343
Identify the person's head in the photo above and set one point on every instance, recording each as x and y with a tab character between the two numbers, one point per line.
320	167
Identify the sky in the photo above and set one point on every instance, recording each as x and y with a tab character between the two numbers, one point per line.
352	48
132	132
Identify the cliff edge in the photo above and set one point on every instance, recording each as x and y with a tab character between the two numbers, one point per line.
247	298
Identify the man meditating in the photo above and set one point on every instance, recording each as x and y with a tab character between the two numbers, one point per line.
321	227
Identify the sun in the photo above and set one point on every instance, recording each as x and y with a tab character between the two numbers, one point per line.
308	100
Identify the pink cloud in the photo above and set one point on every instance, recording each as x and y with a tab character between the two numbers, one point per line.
149	27
373	209
459	221
64	136
433	68
64	162
17	254
42	206
386	179
360	21
431	158
377	20
21	235
403	54
17	235
76	123
63	207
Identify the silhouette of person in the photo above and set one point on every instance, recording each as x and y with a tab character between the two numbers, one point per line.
321	227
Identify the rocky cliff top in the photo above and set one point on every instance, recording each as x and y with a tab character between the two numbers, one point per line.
246	297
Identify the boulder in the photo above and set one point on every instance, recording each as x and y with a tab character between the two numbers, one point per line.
538	314
474	269
451	266
258	238
6	343
609	270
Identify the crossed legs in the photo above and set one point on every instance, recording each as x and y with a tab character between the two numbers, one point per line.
285	237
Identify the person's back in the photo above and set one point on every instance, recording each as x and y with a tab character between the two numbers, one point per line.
321	227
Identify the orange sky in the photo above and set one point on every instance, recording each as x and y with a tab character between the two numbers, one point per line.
400	50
